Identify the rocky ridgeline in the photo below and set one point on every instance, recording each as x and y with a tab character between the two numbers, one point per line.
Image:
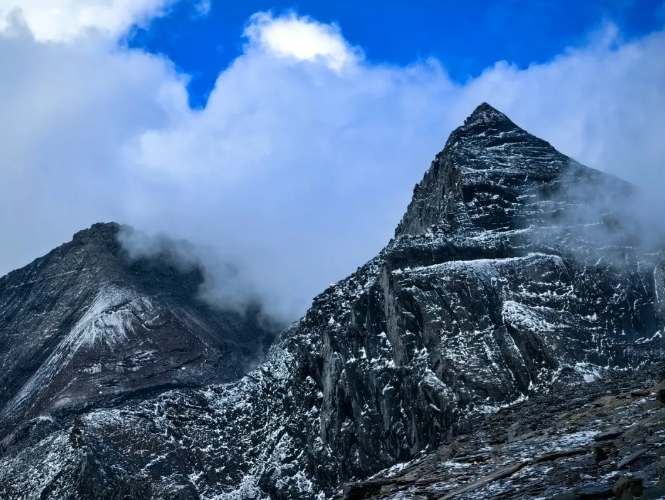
88	326
510	278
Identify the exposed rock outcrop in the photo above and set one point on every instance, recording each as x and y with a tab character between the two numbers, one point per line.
601	440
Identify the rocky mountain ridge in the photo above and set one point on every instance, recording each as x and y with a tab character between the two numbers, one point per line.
494	289
88	326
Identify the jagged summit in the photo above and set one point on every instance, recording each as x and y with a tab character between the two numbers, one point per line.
488	116
100	241
98	232
108	229
492	175
105	239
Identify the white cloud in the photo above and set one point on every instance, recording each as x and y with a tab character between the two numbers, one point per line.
301	38
296	172
59	20
67	111
203	7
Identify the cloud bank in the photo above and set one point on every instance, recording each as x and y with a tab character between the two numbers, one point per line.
305	156
64	20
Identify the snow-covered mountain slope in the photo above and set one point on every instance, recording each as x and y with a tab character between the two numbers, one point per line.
508	275
87	326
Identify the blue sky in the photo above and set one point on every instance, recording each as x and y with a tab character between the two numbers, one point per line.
466	37
287	138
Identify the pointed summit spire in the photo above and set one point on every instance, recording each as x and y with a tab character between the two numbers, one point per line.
486	115
477	181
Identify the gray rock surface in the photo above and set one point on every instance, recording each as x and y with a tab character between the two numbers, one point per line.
555	461
511	276
86	326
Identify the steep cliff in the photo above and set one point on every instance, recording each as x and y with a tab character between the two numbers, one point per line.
509	275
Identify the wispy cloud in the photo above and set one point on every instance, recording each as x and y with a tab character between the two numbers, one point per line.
301	39
203	7
65	20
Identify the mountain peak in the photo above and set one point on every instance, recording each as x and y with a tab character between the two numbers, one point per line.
100	231
487	166
486	115
87	324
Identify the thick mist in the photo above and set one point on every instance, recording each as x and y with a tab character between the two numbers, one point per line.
601	219
224	287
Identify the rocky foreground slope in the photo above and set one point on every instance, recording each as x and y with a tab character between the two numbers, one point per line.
510	277
600	440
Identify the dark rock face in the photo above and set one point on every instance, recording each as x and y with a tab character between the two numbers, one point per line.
557	459
508	278
86	326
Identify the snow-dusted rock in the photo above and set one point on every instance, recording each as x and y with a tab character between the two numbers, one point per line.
87	326
508	274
